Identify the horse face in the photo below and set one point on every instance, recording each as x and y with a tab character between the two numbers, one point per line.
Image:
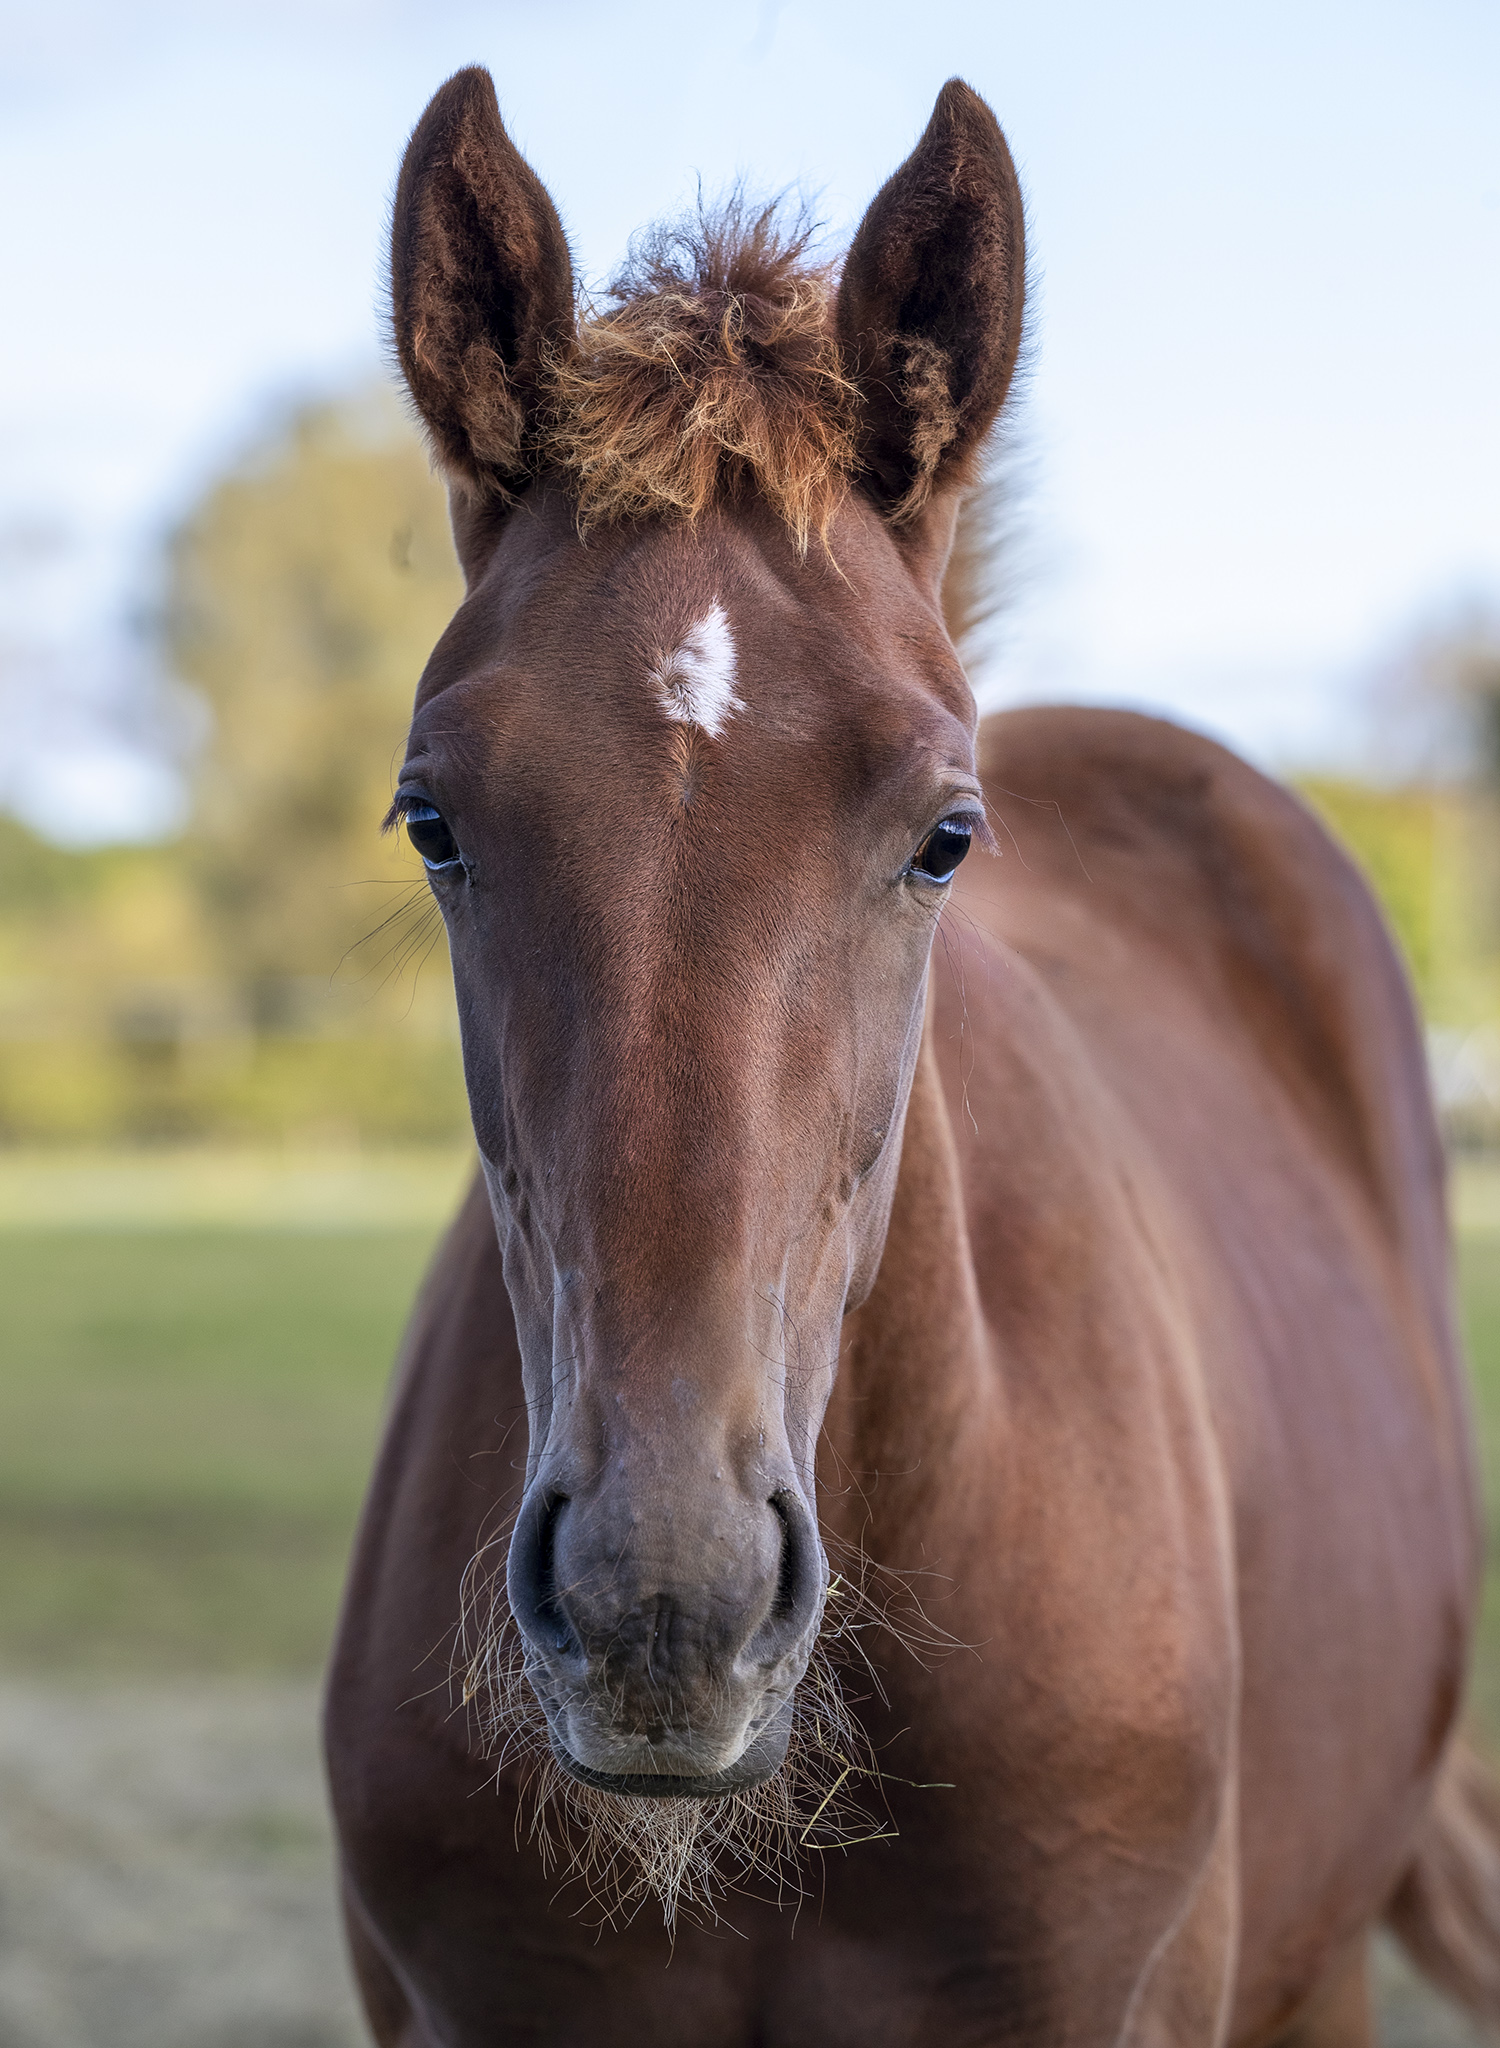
697	801
691	792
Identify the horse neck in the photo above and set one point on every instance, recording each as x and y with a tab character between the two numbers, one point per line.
916	1394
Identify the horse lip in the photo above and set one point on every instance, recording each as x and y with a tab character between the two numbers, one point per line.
761	1760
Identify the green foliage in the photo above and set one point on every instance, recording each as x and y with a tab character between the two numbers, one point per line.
1393	834
262	975
1432	857
380	1087
306	593
37	877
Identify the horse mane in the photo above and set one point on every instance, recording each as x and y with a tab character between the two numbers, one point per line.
713	367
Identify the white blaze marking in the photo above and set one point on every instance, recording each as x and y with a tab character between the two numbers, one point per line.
696	683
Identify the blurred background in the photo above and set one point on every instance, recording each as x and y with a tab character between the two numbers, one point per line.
1252	482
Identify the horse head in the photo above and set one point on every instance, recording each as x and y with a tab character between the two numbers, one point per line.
691	771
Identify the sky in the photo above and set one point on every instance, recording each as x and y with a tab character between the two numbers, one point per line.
1260	438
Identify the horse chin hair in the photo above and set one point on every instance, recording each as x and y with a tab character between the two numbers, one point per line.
618	1852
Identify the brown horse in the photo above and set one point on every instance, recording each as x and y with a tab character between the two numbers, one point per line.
1101	1274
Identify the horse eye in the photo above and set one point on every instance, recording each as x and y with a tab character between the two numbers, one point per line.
431	837
938	856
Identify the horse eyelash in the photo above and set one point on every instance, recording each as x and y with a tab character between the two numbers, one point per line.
403	801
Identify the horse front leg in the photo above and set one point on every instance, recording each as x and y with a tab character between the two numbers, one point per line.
1185	1998
387	2007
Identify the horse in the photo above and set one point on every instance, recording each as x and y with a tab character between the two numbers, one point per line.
1060	1334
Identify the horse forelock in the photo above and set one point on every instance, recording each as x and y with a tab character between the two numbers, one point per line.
712	368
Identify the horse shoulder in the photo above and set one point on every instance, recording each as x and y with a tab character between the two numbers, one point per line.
1180	848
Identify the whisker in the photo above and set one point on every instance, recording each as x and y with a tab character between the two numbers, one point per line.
690	1855
1041	803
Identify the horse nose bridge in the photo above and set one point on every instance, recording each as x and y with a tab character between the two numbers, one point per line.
677	1134
687	1379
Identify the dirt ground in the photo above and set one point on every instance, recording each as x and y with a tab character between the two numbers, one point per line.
165	1870
165	1876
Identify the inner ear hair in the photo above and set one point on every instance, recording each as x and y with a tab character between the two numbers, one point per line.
481	285
930	306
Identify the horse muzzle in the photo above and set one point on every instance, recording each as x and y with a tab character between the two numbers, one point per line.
665	1648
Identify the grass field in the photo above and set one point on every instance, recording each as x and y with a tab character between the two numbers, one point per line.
194	1358
186	1422
188	1407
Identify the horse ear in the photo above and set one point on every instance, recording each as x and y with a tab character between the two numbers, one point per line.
930	304
481	284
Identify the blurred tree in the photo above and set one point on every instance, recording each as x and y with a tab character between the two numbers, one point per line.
1396	836
1450	676
1427	833
305	592
207	987
1435	701
1476	678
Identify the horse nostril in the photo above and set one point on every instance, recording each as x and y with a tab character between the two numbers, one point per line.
549	1606
531	1575
799	1573
786	1570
